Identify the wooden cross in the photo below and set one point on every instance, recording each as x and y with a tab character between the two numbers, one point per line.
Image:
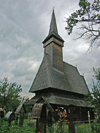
40	127
71	116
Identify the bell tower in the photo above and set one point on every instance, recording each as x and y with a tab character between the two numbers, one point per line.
53	44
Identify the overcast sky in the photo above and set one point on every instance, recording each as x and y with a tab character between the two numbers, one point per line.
24	24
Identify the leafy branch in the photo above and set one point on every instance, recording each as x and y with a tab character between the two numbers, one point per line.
88	17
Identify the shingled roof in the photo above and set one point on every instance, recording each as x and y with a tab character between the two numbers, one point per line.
54	72
49	77
58	99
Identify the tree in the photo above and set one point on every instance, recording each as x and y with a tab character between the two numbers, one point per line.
94	95
9	94
87	19
96	90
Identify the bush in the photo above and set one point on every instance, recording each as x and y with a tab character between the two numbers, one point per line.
82	128
95	127
4	127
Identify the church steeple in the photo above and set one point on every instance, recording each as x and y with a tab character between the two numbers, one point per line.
53	31
53	44
53	25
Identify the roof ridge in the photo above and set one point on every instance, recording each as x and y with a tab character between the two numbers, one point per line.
69	64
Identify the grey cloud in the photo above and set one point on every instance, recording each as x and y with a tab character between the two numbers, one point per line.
23	27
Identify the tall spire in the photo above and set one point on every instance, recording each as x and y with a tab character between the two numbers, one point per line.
53	25
53	31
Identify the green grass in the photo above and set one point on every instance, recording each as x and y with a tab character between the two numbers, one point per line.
4	127
55	128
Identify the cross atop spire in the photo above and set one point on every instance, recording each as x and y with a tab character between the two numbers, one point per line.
53	25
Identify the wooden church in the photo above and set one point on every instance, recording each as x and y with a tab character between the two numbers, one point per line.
58	83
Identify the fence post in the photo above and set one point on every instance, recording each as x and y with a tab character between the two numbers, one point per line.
89	121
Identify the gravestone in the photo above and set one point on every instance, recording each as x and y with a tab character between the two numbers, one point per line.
20	113
10	116
39	113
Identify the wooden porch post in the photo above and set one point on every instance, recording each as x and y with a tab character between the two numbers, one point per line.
42	128
71	124
36	131
21	120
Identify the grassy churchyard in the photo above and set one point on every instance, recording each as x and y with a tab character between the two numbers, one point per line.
58	127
